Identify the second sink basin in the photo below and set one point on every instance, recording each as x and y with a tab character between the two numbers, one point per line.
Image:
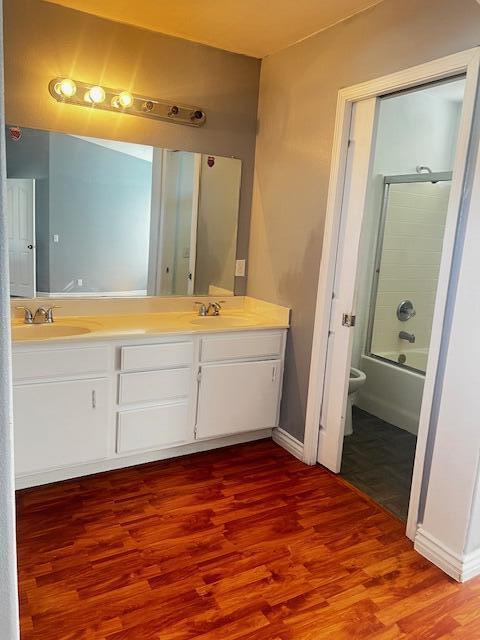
46	331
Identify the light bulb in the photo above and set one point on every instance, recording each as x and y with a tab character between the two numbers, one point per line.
66	88
95	94
125	99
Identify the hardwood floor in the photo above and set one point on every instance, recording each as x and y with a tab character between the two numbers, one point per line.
244	543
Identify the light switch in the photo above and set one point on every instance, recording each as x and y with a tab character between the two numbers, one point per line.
79	282
240	267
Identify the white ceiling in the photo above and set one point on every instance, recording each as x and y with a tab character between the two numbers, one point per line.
252	27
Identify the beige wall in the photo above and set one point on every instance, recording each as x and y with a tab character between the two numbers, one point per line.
298	92
43	40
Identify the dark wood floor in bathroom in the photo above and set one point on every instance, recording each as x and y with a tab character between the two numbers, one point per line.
378	459
244	543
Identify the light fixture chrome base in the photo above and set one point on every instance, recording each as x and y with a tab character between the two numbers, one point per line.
140	105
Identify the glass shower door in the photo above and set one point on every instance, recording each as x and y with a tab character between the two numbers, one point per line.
407	262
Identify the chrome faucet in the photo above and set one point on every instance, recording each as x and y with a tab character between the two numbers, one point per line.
40	316
404	335
210	309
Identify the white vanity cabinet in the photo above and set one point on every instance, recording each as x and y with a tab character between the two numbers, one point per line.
61	399
239	383
155	396
91	407
59	424
237	397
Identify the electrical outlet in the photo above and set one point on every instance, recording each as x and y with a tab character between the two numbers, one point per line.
240	267
55	237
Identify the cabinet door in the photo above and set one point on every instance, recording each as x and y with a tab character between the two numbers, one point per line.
238	397
58	424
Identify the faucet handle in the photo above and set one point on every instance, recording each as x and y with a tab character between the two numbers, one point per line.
28	314
203	308
216	306
49	317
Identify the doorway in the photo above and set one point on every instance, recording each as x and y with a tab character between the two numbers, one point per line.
397	276
368	185
21	236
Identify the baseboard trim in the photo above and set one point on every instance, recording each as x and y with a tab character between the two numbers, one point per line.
459	567
471	565
120	462
288	442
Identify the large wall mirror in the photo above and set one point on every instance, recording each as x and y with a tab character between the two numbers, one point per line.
92	217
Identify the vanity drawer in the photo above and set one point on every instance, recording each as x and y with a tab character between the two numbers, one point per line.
50	363
254	345
153	427
153	386
156	356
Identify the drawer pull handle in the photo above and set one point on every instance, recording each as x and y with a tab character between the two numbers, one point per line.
94	399
274	373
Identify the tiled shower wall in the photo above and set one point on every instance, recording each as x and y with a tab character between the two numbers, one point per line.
411	254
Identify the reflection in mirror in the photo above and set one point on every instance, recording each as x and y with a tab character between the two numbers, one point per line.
92	217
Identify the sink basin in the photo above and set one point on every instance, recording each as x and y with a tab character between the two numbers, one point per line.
46	331
224	320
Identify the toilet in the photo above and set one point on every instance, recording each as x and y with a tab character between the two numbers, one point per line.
356	380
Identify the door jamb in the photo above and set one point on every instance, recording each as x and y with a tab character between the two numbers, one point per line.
154	249
192	260
465	62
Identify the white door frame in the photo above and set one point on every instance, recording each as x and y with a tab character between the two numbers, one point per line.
465	62
192	258
155	221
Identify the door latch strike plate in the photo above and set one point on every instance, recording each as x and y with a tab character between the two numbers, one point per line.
348	320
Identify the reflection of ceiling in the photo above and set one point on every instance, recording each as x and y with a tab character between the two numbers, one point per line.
137	150
255	28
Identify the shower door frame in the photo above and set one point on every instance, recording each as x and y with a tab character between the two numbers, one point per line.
407	178
463	63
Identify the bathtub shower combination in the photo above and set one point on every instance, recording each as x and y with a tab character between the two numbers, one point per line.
405	276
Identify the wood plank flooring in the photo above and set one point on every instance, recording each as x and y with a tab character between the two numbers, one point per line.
244	543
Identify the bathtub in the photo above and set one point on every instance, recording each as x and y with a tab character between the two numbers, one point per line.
393	392
407	358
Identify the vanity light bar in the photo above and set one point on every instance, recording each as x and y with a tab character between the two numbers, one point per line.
83	94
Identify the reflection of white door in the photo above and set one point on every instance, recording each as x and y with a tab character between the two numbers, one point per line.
178	222
21	236
192	258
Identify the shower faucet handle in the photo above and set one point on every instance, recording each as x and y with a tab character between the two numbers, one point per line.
406	310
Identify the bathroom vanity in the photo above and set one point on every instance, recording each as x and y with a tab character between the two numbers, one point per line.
126	374
114	390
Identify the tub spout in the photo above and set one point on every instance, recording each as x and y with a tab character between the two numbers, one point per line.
404	335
